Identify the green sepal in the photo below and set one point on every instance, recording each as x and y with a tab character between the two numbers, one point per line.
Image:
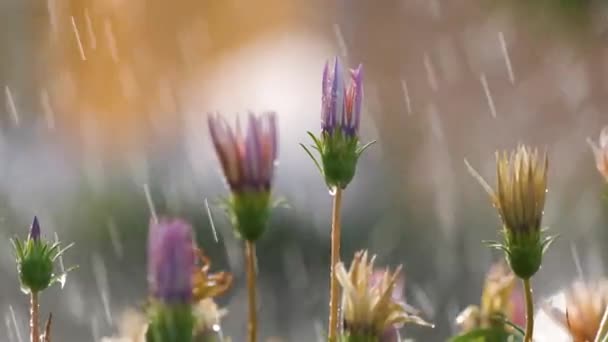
249	212
547	242
487	335
35	263
339	154
524	252
362	149
170	323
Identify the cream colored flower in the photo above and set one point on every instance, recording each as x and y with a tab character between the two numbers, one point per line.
521	186
371	308
133	324
132	328
585	305
600	151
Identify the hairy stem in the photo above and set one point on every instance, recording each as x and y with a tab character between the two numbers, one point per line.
334	290
529	311
34	317
251	290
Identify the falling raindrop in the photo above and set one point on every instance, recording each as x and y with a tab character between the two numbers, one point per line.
12	108
505	53
49	115
14	320
150	203
211	220
486	89
577	260
101	280
430	72
9	329
406	94
341	42
77	35
115	238
95	328
111	40
91	34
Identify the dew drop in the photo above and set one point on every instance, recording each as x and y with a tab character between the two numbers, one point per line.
332	191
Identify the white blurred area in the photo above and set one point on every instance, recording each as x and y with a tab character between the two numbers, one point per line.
277	72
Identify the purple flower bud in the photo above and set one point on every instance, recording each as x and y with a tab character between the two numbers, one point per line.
341	107
171	261
247	160
332	100
352	103
35	230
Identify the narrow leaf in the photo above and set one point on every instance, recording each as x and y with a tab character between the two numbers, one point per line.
362	149
313	158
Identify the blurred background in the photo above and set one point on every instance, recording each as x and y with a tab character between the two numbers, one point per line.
100	97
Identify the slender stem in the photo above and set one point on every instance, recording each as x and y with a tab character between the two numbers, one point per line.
251	291
34	317
334	291
529	311
603	329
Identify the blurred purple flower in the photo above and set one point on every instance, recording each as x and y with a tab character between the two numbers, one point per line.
391	335
341	108
35	230
399	287
171	261
247	161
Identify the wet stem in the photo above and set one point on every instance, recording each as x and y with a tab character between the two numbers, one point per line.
251	291
529	311
34	317
334	294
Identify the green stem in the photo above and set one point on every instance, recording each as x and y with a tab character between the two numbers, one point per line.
251	291
529	311
334	291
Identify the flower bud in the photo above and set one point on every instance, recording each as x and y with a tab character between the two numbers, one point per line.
520	198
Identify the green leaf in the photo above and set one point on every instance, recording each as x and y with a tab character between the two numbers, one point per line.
313	158
501	318
487	335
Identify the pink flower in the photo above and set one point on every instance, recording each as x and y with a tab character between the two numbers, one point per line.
600	151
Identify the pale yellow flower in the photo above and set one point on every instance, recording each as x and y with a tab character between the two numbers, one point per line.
132	328
498	299
521	186
367	307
